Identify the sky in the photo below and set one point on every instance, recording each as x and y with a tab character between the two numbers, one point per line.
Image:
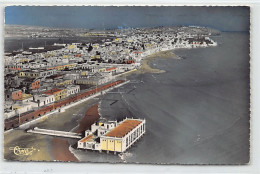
221	18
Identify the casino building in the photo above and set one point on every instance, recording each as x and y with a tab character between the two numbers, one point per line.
111	136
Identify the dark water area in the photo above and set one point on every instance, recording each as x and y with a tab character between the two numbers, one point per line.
197	112
13	44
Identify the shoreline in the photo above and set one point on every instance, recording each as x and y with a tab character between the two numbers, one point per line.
146	68
91	116
48	148
60	150
60	146
78	118
166	54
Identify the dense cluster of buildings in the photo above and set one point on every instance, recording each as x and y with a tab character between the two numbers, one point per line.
35	78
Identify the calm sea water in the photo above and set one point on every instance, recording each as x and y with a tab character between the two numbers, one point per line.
196	113
12	44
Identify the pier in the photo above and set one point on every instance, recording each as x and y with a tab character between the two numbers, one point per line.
64	134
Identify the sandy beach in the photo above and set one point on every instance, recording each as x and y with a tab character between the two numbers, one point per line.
90	117
198	112
60	146
146	68
60	150
50	148
21	139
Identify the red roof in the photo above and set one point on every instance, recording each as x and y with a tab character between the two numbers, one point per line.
77	55
52	91
111	69
86	138
129	61
122	129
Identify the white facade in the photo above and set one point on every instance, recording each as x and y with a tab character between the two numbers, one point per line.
73	89
42	100
72	76
19	108
126	141
94	80
48	73
114	137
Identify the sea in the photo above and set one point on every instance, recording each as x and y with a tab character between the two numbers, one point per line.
16	43
197	112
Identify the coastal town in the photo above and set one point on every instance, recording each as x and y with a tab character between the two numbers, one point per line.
157	85
37	77
41	81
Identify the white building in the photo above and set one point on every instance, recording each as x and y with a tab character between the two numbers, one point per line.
72	76
94	79
113	136
47	73
19	108
43	99
73	89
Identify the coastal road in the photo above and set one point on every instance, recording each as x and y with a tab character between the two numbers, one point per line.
47	146
197	111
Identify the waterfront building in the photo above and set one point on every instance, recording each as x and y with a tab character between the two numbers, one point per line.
73	89
18	108
9	113
123	136
43	99
71	76
95	79
58	93
112	136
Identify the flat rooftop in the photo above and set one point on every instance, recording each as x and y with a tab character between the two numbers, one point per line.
52	91
122	129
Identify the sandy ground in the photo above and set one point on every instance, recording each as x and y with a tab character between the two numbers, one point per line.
60	150
90	117
49	148
196	113
60	146
203	114
21	139
146	68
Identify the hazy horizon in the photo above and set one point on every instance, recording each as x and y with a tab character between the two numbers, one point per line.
220	18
